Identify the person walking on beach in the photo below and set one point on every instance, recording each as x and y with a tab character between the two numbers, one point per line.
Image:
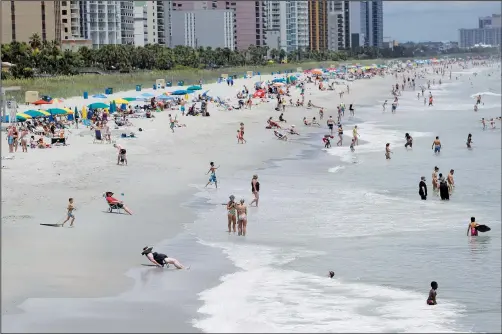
255	189
435	186
422	188
469	141
436	145
330	122
171	122
242	212
160	260
212	177
355	135
340	135
69	214
352	149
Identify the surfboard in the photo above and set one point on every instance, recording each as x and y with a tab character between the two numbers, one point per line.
482	228
52	225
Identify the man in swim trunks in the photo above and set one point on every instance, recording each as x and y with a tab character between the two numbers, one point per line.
422	188
409	141
242	221
469	141
212	177
436	145
451	182
160	260
330	122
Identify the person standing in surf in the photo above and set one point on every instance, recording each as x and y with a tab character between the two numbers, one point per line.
435	186
387	151
472	227
242	216
160	260
330	122
231	213
340	135
451	182
69	214
255	189
422	188
443	188
212	177
431	300
409	141
469	141
355	135
436	145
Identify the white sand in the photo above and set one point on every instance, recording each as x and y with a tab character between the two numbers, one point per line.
90	259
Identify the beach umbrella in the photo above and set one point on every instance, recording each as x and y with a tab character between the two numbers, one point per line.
39	102
37	113
84	112
121	101
278	80
22	117
279	84
130	99
147	95
100	96
194	88
58	111
180	92
205	93
68	111
98	105
57	100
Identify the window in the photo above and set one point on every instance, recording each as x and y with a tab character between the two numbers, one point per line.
65	20
65	12
65	29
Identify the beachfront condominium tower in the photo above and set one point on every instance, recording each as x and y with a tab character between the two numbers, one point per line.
249	18
22	19
287	25
344	25
318	25
372	23
488	33
151	22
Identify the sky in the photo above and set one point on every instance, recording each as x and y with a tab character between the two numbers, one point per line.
422	21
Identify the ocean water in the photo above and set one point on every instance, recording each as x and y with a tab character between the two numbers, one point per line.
360	215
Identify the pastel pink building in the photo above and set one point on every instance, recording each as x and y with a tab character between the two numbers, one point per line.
249	18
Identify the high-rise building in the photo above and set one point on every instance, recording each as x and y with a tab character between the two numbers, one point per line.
22	19
203	28
490	21
488	33
127	22
140	24
344	25
372	23
250	18
318	29
287	25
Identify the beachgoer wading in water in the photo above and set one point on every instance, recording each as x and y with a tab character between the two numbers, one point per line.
255	189
242	216
231	214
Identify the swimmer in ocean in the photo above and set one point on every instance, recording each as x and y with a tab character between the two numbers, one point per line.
436	145
431	300
409	141
331	274
472	227
469	141
352	149
387	151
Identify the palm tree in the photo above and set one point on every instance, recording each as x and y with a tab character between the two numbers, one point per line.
35	41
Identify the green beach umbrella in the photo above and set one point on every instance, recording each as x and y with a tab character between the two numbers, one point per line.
98	105
57	111
194	88
129	99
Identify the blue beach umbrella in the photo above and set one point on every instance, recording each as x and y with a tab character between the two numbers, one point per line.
147	95
194	88
98	105
180	92
99	96
165	97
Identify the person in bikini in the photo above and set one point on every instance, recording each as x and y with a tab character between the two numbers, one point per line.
242	221
435	179
436	145
451	182
212	177
472	227
255	189
340	135
231	213
355	135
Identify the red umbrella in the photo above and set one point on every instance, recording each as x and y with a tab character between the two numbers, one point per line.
39	102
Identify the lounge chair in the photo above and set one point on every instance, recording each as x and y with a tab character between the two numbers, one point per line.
97	137
112	207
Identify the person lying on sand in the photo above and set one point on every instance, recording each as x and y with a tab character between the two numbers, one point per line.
280	135
160	260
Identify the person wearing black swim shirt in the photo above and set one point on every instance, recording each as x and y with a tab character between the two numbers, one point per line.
422	188
409	141
159	259
255	189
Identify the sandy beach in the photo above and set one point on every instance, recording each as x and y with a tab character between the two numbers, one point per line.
48	268
90	260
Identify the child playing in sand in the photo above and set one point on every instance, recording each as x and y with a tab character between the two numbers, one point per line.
69	215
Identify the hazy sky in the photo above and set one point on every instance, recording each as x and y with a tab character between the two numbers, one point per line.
421	21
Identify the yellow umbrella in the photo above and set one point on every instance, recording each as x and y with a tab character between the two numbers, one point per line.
120	101
23	115
68	110
44	112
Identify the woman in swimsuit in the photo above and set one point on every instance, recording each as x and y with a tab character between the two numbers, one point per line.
242	221
472	227
387	151
469	141
24	133
232	214
340	135
255	189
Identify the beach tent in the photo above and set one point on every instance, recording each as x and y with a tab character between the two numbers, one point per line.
194	88
37	113
98	105
100	96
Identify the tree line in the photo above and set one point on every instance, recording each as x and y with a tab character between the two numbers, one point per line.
39	58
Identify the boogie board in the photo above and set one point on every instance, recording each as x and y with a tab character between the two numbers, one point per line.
52	225
482	228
